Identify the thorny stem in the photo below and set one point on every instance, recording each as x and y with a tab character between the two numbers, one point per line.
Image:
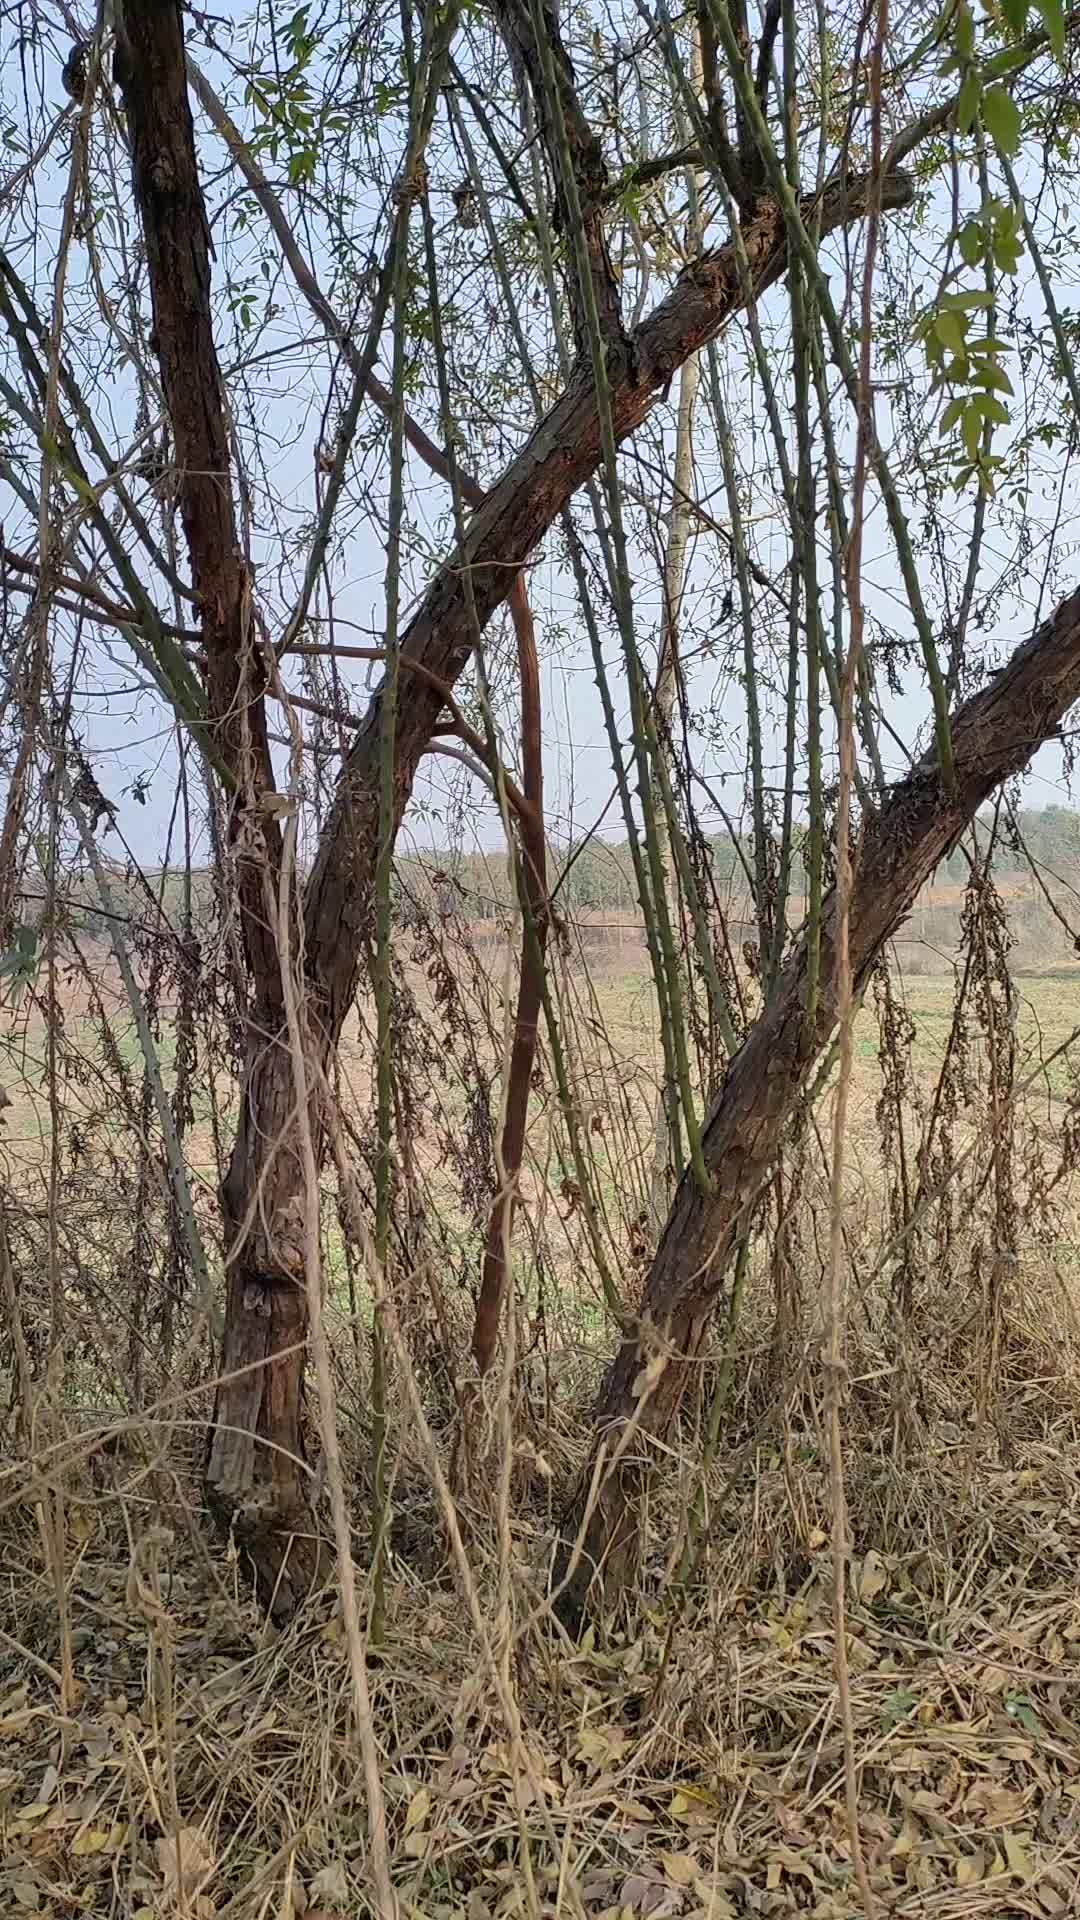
845	999
533	952
653	895
422	109
291	962
803	247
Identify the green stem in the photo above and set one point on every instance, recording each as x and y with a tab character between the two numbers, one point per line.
801	243
643	739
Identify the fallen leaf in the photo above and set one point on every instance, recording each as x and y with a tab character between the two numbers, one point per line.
681	1868
906	1840
716	1906
968	1868
1016	1853
184	1859
419	1808
643	1894
602	1746
991	1680
91	1840
793	1862
873	1576
331	1885
692	1800
998	1805
911	1760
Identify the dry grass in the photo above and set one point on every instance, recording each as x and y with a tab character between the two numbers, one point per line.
689	1765
688	1762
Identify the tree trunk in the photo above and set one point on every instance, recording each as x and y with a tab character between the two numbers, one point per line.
994	735
667	681
255	1476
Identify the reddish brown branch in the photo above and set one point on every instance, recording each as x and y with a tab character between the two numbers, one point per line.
994	736
530	984
173	216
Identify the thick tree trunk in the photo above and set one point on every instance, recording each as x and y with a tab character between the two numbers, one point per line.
255	1471
562	454
256	1481
994	735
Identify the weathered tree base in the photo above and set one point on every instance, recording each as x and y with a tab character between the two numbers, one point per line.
919	821
289	1558
610	1522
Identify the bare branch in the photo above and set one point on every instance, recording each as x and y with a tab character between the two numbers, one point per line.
562	118
994	736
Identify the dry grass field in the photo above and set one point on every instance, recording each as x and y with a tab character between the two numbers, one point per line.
688	1763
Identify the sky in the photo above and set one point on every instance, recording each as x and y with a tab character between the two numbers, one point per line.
131	741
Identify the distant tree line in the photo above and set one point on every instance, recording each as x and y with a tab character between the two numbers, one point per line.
597	875
589	876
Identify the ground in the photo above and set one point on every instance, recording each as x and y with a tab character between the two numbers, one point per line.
686	1760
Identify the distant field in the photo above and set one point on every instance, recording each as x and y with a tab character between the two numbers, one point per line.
612	1045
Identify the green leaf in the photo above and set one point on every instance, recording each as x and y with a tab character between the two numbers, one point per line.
952	414
951	329
1001	118
972	302
972	431
1052	14
992	378
1010	61
897	1706
968	104
965	31
991	409
1016	13
1020	1707
972	243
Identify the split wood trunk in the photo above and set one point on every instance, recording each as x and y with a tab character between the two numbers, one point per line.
994	736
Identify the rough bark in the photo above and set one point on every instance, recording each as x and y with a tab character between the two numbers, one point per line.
561	117
531	829
994	735
255	1468
524	503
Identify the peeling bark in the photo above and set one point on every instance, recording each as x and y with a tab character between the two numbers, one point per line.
255	1475
994	736
560	456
